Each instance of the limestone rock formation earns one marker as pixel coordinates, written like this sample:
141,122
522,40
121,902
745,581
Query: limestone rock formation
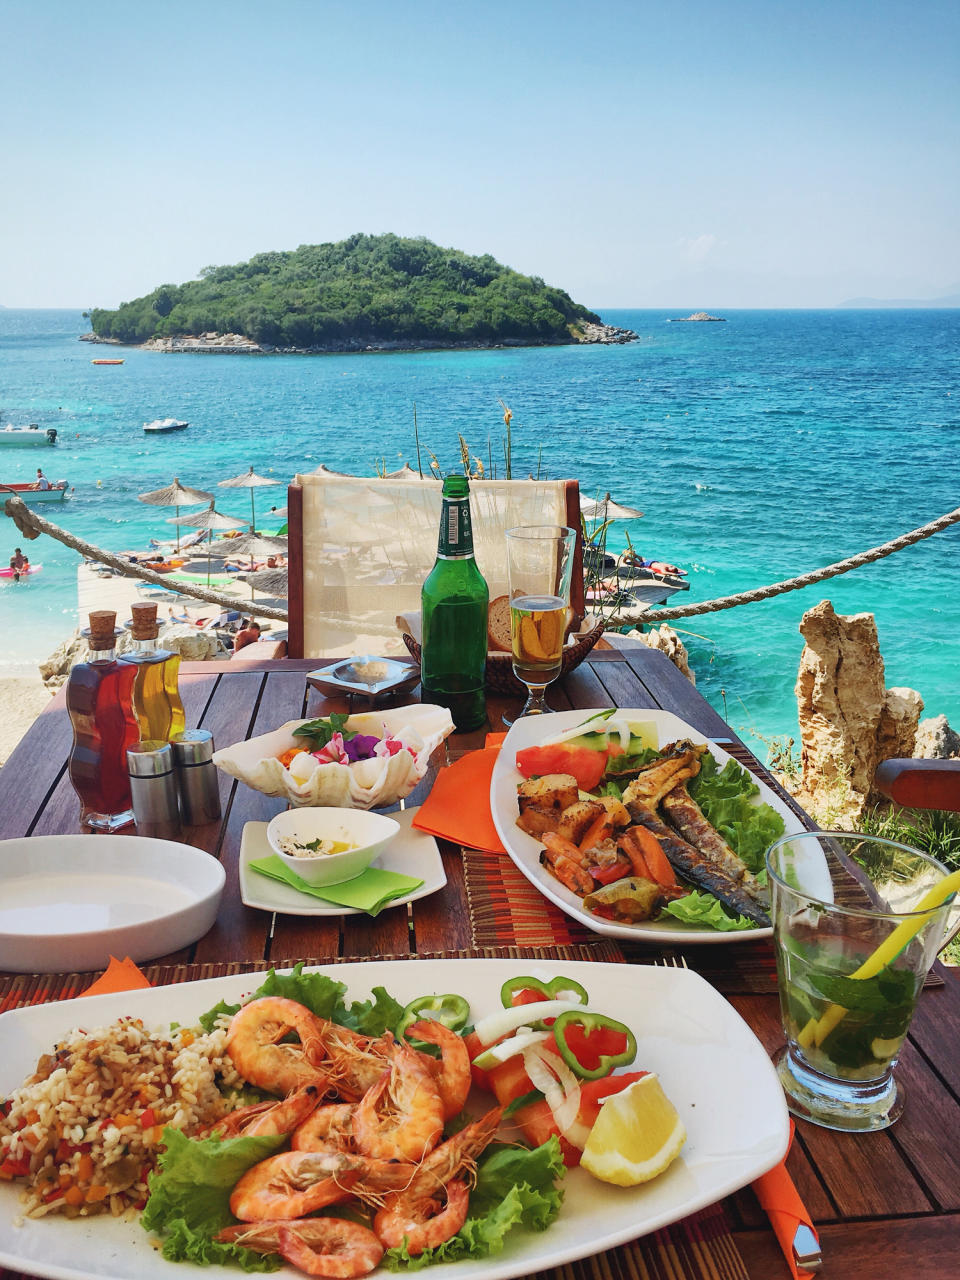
849,720
667,641
936,740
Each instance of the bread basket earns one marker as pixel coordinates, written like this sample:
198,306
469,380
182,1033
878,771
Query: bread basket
500,677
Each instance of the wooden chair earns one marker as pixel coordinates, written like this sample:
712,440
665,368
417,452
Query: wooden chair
920,784
360,547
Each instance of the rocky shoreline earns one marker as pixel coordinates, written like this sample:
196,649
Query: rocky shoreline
238,344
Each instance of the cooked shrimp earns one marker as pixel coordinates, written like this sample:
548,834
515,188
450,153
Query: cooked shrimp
329,1128
295,1183
401,1116
565,861
253,1045
318,1246
265,1118
353,1062
433,1207
452,1070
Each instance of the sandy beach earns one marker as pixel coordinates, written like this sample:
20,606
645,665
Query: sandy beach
22,698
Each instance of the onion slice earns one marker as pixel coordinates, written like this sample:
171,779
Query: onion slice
561,1091
499,1024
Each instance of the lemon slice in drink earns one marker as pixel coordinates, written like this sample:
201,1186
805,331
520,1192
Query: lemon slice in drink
636,1136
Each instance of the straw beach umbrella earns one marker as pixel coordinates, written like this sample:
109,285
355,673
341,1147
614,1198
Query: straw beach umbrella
607,509
273,581
211,520
250,544
249,480
176,495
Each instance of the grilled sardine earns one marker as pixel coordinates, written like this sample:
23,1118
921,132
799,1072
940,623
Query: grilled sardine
699,869
681,760
687,816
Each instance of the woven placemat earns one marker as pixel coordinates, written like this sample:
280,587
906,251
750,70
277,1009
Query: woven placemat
699,1247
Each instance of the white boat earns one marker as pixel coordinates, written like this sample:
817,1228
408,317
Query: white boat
11,436
31,494
165,424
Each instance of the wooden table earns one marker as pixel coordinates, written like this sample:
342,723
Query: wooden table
888,1201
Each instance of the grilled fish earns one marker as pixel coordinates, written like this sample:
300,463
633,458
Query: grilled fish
687,816
699,869
681,760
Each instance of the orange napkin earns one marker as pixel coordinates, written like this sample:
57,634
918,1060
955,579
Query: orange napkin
458,807
781,1202
121,975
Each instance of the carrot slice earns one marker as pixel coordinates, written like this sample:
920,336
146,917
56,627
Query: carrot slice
656,860
599,830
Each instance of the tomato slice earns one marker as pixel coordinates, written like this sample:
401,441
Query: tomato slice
585,764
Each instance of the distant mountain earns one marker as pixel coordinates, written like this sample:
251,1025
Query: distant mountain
951,299
363,290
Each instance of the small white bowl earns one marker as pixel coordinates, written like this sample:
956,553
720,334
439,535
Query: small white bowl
370,832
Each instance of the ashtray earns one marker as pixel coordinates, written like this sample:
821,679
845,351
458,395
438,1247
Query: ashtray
368,676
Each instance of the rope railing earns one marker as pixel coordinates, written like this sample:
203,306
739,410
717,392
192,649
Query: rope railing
808,579
31,526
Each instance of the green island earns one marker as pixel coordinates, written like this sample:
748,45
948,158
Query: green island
364,292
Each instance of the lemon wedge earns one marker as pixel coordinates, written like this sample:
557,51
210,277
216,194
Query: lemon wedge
636,1136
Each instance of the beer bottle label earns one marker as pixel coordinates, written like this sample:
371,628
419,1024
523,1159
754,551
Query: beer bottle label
456,532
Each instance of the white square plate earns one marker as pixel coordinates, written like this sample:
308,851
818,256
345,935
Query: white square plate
530,731
711,1065
410,852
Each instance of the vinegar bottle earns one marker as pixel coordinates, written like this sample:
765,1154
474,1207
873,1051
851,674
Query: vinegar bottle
156,693
100,705
453,603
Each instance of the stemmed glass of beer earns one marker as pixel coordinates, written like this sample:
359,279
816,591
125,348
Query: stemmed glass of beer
539,565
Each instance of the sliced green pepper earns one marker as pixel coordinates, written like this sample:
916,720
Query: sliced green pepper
452,1010
551,990
588,1022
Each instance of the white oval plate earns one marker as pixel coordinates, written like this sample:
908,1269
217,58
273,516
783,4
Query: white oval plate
529,731
713,1069
67,903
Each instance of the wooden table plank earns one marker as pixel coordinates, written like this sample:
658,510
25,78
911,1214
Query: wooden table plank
669,688
33,769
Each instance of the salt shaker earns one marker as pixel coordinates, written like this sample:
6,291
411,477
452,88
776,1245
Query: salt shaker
153,788
196,776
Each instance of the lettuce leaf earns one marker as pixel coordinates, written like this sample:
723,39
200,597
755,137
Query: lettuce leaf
724,795
190,1197
515,1188
324,997
706,911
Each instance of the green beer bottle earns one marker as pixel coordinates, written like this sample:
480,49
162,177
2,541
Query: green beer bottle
453,604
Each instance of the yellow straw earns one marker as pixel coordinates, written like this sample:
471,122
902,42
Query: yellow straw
817,1031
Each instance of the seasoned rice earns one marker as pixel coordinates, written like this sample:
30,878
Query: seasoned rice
81,1134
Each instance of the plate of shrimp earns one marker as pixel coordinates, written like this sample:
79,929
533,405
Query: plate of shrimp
373,1129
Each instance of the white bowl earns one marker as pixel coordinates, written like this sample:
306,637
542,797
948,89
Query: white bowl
70,902
370,832
365,784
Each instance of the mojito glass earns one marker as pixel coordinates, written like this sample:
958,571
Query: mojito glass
855,934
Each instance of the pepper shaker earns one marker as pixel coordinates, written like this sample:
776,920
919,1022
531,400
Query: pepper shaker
196,776
153,789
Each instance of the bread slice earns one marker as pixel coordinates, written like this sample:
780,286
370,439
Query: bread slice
498,625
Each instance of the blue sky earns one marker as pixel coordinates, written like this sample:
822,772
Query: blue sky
738,153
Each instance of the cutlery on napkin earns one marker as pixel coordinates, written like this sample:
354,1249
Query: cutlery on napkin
789,1218
370,891
458,806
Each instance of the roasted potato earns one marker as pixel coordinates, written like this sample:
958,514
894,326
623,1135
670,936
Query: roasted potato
577,818
618,811
536,821
551,791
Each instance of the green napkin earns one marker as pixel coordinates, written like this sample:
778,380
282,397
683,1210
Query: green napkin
370,891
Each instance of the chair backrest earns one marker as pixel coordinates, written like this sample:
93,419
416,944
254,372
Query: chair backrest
360,547
920,784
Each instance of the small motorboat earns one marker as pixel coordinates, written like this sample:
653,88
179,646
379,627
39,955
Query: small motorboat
31,493
166,424
106,362
11,436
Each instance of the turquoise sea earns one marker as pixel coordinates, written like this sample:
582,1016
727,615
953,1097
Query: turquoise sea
758,449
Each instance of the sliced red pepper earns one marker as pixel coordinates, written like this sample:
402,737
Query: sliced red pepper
148,1118
614,871
12,1168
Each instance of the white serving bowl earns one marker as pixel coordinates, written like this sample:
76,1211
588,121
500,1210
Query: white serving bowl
370,832
71,902
365,784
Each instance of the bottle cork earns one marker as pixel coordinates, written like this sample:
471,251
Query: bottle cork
145,625
103,623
